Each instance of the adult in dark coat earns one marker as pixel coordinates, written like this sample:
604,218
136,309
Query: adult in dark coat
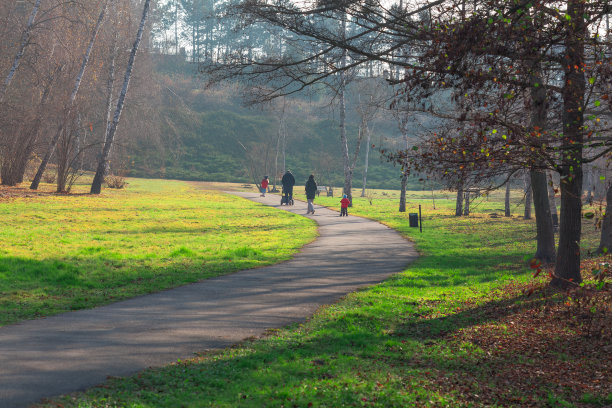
311,191
288,182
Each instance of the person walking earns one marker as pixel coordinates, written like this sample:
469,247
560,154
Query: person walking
288,182
311,191
344,203
264,186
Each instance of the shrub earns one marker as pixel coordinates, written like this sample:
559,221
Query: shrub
49,176
113,181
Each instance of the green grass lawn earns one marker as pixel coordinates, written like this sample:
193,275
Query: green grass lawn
444,333
69,252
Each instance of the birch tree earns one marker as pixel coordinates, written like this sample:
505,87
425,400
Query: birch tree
73,96
25,41
96,186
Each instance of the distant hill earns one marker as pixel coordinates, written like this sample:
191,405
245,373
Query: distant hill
208,135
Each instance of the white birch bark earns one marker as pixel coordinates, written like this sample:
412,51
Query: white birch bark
110,85
25,40
96,186
348,176
176,17
279,144
365,169
75,91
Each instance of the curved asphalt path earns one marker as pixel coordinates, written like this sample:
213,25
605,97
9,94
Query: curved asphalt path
77,350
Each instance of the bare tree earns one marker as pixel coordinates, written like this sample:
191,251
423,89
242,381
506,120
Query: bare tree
25,41
281,143
96,186
370,96
77,84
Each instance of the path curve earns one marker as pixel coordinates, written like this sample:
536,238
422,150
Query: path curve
77,350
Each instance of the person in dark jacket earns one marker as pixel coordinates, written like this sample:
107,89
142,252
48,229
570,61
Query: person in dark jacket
311,191
288,182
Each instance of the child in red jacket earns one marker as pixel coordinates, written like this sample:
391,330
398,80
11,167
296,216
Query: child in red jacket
264,186
344,203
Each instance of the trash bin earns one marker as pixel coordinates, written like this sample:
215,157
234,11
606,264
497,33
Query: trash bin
413,219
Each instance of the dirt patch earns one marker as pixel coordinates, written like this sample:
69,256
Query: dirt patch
11,193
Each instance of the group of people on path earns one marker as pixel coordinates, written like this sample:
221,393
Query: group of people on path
288,181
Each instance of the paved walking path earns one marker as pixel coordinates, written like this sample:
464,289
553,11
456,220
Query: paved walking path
74,351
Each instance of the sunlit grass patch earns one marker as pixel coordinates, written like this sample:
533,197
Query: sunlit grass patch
66,252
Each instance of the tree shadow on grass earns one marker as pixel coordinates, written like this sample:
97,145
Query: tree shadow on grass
195,230
452,269
32,289
421,326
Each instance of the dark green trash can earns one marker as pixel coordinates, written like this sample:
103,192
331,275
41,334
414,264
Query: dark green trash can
413,219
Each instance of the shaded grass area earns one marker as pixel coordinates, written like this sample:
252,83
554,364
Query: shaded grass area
450,331
63,252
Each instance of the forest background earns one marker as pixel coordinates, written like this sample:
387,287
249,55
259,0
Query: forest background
173,126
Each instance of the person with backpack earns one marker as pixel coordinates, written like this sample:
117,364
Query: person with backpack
311,191
264,186
288,182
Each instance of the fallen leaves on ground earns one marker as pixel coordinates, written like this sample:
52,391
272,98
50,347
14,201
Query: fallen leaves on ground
537,347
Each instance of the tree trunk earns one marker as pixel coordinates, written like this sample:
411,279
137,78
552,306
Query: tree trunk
43,164
545,251
605,243
527,180
62,166
507,212
77,84
18,155
176,18
466,207
193,36
589,184
96,185
459,204
278,141
365,169
363,128
402,203
552,201
348,173
110,84
403,124
567,269
25,40
281,127
545,237
568,253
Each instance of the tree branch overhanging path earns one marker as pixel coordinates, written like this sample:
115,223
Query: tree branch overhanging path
73,351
